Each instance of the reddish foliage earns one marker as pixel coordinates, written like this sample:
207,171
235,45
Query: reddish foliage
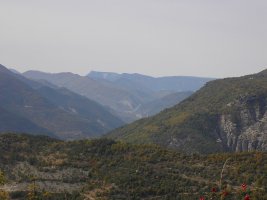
225,193
244,187
213,190
247,197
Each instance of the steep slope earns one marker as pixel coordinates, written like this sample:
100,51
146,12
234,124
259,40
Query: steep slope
15,123
124,94
225,115
156,106
99,117
104,169
128,82
47,112
14,71
118,99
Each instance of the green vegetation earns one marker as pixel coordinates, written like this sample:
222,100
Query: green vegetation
192,125
105,169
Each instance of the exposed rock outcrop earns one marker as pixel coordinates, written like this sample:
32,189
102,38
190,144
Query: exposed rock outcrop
245,129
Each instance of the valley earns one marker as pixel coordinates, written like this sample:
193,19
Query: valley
133,100
207,145
125,94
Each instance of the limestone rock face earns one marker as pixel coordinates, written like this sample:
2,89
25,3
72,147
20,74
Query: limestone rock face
246,129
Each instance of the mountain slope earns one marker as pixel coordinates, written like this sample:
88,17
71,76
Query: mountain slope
156,106
23,102
146,83
15,123
105,169
124,94
225,115
100,118
114,97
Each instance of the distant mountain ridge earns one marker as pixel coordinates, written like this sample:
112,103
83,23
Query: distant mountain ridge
225,115
30,106
124,94
103,93
171,83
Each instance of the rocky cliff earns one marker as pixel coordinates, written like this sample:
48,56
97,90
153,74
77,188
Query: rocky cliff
246,129
225,115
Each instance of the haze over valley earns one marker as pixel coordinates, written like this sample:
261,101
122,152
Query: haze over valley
133,100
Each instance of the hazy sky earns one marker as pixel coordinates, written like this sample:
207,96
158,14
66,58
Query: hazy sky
215,38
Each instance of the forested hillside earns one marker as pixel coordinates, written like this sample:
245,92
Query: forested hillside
225,115
105,169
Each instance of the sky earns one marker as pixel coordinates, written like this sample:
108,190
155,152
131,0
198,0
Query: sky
210,38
